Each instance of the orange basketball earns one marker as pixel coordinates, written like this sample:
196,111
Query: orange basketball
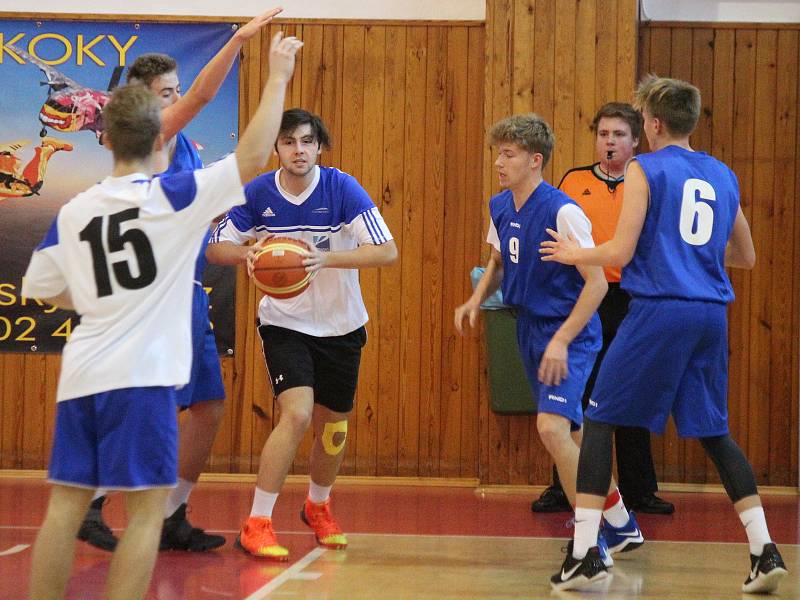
278,268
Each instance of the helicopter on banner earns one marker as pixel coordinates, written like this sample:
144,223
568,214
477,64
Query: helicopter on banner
70,106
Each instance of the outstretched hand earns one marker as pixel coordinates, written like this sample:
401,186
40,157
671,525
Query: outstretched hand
469,310
564,249
282,52
255,25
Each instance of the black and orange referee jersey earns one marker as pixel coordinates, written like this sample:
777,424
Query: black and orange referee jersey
601,200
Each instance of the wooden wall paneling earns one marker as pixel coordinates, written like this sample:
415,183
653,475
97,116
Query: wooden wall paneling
761,308
333,73
783,401
454,264
415,196
432,247
33,427
370,401
13,411
391,198
543,67
312,68
522,56
606,52
564,86
744,119
795,414
585,80
626,27
471,365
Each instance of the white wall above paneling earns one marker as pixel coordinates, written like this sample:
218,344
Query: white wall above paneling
754,11
457,10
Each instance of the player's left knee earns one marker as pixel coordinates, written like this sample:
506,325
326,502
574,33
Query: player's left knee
334,437
553,429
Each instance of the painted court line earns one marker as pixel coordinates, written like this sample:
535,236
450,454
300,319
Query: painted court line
15,549
290,573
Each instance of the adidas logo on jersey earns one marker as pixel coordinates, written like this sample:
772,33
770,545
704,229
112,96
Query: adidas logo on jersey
587,192
268,213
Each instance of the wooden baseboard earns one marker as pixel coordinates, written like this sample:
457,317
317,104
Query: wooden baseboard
452,482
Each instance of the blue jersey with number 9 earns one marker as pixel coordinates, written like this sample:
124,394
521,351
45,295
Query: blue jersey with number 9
694,199
538,289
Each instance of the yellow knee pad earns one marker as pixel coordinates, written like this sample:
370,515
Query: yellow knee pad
330,430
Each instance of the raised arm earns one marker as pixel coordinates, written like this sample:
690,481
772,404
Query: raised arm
208,81
618,251
259,137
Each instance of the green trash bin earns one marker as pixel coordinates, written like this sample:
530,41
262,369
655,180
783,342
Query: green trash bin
509,388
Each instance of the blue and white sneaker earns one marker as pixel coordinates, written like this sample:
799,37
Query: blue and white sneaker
623,539
605,555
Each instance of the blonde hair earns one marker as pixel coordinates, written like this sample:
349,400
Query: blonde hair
132,121
529,131
674,102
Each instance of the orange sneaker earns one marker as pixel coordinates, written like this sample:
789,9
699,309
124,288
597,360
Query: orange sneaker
320,519
257,537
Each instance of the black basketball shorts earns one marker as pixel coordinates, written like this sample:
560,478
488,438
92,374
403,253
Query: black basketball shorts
329,365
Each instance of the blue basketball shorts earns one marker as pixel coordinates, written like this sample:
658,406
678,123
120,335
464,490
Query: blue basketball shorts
205,381
669,356
563,399
124,439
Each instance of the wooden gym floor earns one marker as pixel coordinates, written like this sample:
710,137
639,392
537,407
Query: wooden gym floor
416,543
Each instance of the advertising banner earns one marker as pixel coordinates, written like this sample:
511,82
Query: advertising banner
56,78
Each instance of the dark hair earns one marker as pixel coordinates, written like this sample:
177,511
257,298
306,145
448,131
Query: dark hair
674,102
294,117
132,121
528,131
620,110
149,66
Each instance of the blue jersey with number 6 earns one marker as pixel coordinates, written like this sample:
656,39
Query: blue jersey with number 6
694,199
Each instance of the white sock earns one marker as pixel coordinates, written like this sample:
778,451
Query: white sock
587,525
177,496
616,515
755,524
318,493
263,503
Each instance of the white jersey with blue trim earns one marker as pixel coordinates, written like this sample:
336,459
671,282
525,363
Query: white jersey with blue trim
125,251
333,214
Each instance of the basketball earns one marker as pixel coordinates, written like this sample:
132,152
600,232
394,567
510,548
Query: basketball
278,269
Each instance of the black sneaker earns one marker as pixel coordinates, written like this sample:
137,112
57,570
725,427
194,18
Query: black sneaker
552,500
577,573
766,571
95,532
178,534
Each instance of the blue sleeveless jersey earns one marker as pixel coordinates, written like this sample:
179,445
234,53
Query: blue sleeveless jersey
186,158
539,290
694,199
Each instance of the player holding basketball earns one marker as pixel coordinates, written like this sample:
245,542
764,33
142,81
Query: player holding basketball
312,342
558,331
122,254
203,395
680,226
